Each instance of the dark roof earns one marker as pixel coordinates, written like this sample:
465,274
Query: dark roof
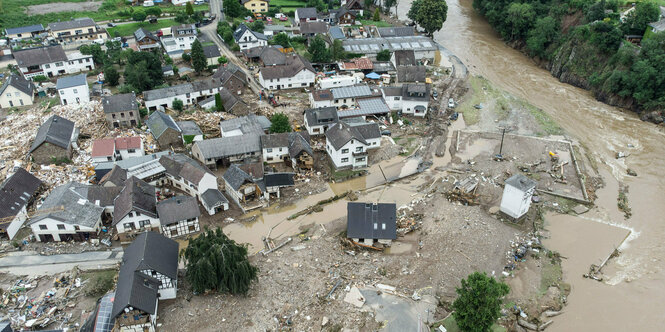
211,51
99,195
180,165
275,140
371,221
136,195
355,3
321,116
241,30
294,64
229,146
223,74
319,95
142,33
55,130
71,81
73,24
415,92
189,128
236,177
405,58
382,66
149,251
278,179
396,31
341,132
39,56
306,12
246,124
29,28
16,191
255,170
118,103
521,182
116,176
213,197
19,83
411,74
158,122
336,33
229,99
392,91
271,56
315,27
299,142
177,208
66,204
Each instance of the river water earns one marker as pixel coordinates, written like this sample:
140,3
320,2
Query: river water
631,297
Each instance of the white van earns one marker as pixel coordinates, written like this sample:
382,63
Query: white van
148,3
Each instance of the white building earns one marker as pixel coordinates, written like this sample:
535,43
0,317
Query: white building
51,61
517,194
186,174
318,120
16,91
294,74
411,99
246,38
119,148
338,81
16,193
135,209
179,216
73,90
342,97
189,93
347,145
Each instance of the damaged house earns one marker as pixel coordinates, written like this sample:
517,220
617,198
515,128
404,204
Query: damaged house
368,223
317,120
179,216
291,148
164,130
247,191
54,141
135,209
16,193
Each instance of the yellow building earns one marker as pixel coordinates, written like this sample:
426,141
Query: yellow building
256,6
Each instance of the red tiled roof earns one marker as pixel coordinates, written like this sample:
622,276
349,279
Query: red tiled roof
103,147
363,63
350,66
124,143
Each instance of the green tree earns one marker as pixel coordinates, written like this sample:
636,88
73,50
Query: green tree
215,262
219,105
279,124
177,104
377,15
234,9
199,60
429,14
98,56
181,17
636,21
478,304
111,76
320,5
337,51
544,33
186,57
519,18
258,26
606,36
383,55
222,60
317,48
387,4
40,79
139,16
143,71
281,39
154,11
189,9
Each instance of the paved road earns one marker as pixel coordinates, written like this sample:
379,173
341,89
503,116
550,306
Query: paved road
33,264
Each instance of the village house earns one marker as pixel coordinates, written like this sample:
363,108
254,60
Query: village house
190,131
99,195
185,35
344,16
167,71
73,89
146,168
188,93
517,194
121,111
411,74
26,32
145,40
412,99
66,215
246,191
135,209
372,106
246,38
17,192
423,47
119,148
54,140
369,223
274,182
79,29
271,55
230,102
179,216
300,152
164,130
311,29
17,91
295,73
231,77
317,120
396,31
213,201
347,144
245,125
305,15
356,6
403,58
227,150
187,175
212,54
273,29
256,6
149,272
291,148
342,97
51,61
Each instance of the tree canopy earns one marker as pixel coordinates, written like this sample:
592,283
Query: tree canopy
429,14
143,71
478,304
279,124
111,76
139,15
215,262
219,104
234,9
383,55
317,48
189,9
637,20
199,61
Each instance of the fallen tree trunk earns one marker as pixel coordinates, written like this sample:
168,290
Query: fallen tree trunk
527,325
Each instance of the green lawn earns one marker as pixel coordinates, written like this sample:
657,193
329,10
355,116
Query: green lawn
379,24
129,28
288,3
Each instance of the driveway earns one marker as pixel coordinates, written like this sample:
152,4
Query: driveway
33,264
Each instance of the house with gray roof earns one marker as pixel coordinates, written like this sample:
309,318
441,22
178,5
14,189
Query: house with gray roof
149,272
403,58
411,74
246,38
347,144
341,97
135,209
212,54
336,33
412,99
179,216
81,29
306,15
317,120
66,215
188,93
164,130
214,201
51,61
292,148
23,32
190,131
295,73
373,106
227,150
231,103
16,194
54,140
396,31
145,40
246,191
73,90
121,111
371,223
231,77
249,124
311,29
187,175
16,91
423,47
517,193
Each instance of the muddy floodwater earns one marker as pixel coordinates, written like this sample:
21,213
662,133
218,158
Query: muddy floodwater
631,297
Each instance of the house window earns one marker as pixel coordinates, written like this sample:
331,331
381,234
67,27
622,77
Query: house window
131,214
268,150
376,226
61,226
280,149
76,91
77,228
373,143
345,150
132,151
128,226
138,213
144,223
383,226
58,64
47,66
269,159
359,160
62,92
113,115
345,160
131,113
122,115
359,149
43,227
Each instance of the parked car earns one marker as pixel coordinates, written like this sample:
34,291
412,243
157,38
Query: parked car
451,103
435,94
111,25
454,116
386,133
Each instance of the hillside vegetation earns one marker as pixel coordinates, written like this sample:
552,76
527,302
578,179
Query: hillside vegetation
582,42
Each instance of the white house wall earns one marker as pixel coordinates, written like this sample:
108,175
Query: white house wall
13,97
182,227
167,288
52,228
304,78
68,96
275,155
17,223
134,219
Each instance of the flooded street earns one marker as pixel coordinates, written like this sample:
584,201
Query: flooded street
630,298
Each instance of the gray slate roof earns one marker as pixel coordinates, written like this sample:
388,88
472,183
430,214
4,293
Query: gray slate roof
96,194
169,91
65,204
404,58
313,27
135,290
294,65
39,56
116,176
71,81
19,83
336,33
411,74
229,146
73,24
247,124
521,182
369,46
16,191
351,91
136,195
142,33
278,180
396,32
120,103
236,177
275,141
25,29
371,221
298,143
321,116
415,92
307,12
56,130
212,198
271,56
159,121
211,51
180,165
373,105
177,208
241,30
224,73
189,128
340,133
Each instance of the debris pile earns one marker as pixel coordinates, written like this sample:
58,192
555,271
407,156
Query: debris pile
520,247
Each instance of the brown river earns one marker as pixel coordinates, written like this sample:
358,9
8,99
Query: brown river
631,297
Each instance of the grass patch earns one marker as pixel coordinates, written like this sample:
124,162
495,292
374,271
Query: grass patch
408,144
288,3
128,29
451,326
547,125
99,282
471,114
379,24
550,275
